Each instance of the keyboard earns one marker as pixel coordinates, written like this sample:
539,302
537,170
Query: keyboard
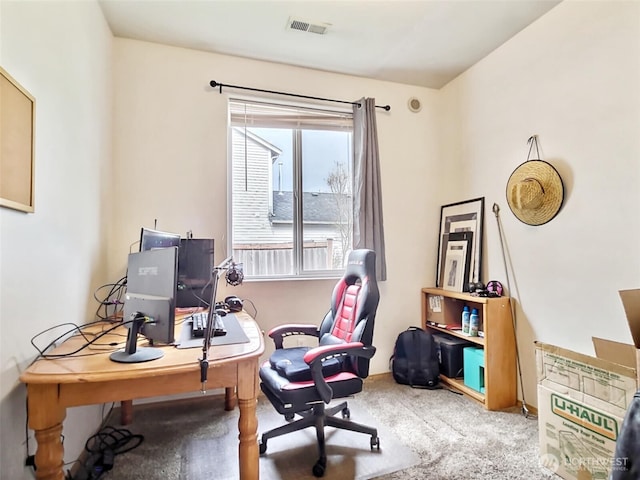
199,325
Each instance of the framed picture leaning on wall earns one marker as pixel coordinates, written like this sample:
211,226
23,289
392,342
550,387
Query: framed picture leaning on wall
457,261
465,216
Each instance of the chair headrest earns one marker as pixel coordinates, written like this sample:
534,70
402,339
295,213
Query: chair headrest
361,264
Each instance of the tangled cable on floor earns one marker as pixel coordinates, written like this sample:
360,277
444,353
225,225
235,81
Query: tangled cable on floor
102,449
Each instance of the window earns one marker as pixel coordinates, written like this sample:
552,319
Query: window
291,189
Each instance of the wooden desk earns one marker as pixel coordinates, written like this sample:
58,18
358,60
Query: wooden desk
54,385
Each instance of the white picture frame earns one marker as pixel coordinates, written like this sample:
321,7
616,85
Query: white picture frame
456,266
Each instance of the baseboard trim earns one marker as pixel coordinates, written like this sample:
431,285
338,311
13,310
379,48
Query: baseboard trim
530,408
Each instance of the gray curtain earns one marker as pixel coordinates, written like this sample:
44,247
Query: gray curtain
368,227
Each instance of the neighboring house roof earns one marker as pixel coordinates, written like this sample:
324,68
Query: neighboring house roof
275,151
318,207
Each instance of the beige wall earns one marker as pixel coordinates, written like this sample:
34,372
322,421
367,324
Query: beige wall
53,259
170,158
571,78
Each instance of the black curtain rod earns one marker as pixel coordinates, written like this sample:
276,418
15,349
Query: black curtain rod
215,84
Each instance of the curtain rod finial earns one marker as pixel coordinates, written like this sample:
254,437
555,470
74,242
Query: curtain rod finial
213,83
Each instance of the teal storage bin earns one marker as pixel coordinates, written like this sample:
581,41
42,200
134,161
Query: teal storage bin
474,368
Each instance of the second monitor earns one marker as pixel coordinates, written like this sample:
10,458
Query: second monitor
195,264
195,268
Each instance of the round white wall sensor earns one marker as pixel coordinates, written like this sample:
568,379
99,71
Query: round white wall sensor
414,104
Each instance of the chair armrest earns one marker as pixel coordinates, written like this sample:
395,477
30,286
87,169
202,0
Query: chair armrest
280,332
315,356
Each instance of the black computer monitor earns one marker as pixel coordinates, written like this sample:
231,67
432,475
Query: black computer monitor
195,268
150,239
195,264
149,306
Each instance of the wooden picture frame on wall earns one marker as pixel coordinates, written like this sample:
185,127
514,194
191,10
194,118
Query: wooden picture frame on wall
17,143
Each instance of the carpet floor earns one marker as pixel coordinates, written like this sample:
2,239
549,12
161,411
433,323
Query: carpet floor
292,456
424,434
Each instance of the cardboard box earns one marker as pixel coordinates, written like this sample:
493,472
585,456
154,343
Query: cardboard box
582,400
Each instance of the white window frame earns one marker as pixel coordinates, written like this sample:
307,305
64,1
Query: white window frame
299,273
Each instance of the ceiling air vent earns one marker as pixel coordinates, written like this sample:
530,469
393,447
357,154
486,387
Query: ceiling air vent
306,26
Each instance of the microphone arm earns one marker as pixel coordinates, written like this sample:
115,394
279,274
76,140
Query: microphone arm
224,264
208,333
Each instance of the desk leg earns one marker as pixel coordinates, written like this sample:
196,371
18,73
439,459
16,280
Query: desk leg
248,453
126,412
45,419
230,398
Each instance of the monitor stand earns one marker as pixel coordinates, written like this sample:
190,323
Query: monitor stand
132,353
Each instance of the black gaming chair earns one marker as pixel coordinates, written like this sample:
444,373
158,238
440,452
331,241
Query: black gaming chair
301,380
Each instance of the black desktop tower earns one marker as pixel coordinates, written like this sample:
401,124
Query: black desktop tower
195,269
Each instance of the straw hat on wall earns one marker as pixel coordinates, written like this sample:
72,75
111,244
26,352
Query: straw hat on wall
535,192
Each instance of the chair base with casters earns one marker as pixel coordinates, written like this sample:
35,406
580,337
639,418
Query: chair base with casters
309,398
319,416
304,380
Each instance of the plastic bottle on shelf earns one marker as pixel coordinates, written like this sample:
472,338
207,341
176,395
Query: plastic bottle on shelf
474,323
465,320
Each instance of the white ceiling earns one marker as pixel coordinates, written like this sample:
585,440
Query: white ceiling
420,42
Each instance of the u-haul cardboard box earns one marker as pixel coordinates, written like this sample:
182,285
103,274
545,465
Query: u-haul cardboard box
582,401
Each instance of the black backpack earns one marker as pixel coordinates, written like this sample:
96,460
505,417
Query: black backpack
415,359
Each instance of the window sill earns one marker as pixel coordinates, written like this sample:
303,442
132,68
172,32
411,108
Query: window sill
292,278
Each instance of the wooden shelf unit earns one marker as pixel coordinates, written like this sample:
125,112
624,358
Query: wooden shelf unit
499,342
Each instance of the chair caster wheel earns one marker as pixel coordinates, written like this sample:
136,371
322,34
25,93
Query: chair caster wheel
375,443
346,413
319,468
262,445
289,416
